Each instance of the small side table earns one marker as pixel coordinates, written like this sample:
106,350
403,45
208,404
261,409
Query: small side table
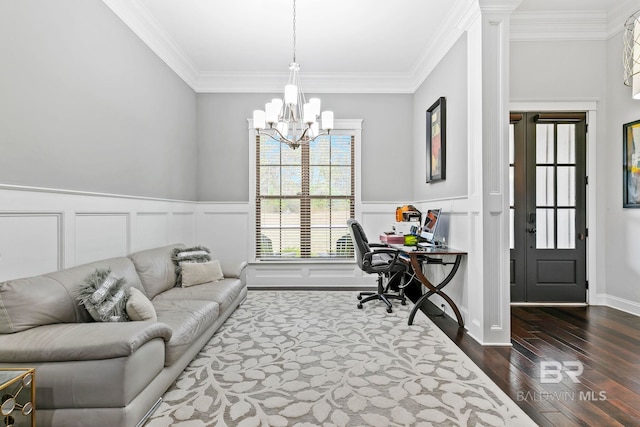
18,391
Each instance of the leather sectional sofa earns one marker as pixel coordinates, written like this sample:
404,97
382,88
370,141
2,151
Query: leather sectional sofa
110,373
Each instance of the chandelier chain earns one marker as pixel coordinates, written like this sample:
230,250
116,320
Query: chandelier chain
294,30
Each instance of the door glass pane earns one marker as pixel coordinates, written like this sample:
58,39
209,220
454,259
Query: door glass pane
544,143
566,143
544,186
512,240
566,228
511,186
566,185
544,229
512,139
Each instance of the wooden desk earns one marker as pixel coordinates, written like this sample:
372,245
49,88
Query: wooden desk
418,256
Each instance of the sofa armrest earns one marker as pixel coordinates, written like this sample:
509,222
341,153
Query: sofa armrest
233,270
79,341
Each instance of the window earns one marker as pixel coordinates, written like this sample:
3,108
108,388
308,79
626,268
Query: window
304,197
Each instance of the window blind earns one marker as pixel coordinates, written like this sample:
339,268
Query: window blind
304,198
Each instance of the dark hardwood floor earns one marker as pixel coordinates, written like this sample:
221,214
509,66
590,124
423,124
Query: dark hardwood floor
602,341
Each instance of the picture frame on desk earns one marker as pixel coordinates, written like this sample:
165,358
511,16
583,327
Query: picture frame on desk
631,165
436,140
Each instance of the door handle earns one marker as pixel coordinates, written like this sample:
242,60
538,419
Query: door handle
531,230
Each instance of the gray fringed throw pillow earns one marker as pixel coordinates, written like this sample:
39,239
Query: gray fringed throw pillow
181,256
104,296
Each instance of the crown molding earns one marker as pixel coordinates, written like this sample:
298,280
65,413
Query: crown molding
139,20
525,26
498,6
453,27
574,25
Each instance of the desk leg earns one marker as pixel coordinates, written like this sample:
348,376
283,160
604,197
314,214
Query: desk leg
417,269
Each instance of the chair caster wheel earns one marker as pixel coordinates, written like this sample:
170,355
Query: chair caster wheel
359,297
389,310
404,302
360,306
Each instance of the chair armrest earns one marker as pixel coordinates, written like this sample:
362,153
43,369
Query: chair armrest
367,257
378,245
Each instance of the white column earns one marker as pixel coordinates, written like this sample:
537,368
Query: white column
488,51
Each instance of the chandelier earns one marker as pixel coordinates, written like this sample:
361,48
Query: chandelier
631,57
291,119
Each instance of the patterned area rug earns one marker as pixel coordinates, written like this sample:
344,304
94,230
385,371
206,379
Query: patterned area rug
314,359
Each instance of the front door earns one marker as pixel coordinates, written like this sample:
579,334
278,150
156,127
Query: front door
548,207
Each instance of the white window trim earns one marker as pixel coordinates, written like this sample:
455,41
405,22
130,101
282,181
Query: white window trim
352,127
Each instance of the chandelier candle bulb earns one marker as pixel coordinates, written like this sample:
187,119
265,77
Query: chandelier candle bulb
327,120
277,102
291,94
259,119
271,113
307,114
315,103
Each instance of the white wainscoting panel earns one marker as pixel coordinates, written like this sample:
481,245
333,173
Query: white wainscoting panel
224,229
336,275
100,236
30,243
182,228
44,230
151,230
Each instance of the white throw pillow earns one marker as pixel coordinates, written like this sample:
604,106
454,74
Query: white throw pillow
197,273
139,307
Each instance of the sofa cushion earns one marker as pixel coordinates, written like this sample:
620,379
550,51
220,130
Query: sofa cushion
50,298
201,272
188,320
139,307
73,278
224,292
156,269
34,301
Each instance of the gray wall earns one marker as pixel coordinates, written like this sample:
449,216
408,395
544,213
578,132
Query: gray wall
558,70
448,79
223,153
592,70
622,226
86,105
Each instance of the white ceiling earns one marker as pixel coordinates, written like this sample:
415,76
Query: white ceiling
342,45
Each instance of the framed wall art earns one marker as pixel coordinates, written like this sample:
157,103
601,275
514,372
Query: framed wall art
436,140
631,165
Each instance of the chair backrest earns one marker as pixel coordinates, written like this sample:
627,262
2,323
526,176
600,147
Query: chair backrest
360,242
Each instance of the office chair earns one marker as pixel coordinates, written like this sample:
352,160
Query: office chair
383,261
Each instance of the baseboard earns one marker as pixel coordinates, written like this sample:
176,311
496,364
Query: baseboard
548,304
628,306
